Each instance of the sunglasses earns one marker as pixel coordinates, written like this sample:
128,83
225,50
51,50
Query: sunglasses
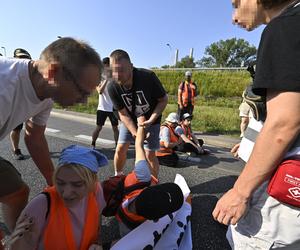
70,76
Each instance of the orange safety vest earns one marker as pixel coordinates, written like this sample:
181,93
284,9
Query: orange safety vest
130,219
183,93
58,233
187,131
163,151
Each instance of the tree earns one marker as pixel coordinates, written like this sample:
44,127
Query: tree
186,62
229,53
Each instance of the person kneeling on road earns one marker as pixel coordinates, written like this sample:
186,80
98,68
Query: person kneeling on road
66,215
147,203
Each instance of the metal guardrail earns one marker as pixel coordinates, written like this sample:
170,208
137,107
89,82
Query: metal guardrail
200,69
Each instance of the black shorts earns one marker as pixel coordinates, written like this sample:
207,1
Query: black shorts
102,115
19,127
10,178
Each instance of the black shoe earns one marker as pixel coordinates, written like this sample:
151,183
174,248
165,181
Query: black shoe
18,155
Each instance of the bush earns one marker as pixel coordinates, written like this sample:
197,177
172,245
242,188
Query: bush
214,83
216,109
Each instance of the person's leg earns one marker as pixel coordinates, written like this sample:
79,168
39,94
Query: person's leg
114,123
120,157
116,133
95,135
101,117
244,125
190,109
153,162
121,150
13,193
15,139
187,147
151,146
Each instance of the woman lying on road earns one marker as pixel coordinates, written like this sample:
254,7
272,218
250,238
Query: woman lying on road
66,215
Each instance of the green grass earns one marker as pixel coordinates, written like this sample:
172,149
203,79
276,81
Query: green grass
216,109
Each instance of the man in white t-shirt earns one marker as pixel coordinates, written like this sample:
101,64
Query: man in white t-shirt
105,105
67,72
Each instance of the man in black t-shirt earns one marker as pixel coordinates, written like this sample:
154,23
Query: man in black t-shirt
263,222
136,93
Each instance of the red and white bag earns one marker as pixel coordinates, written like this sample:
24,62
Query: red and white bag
284,185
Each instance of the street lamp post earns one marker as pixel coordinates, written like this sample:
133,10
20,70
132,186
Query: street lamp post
4,49
170,47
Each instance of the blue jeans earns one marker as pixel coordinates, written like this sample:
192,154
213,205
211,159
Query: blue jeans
151,143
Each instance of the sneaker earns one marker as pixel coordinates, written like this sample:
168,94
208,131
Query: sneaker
18,155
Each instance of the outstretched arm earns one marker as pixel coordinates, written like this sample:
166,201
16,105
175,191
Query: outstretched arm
139,141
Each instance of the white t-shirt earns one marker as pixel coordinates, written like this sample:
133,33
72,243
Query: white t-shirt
105,103
18,100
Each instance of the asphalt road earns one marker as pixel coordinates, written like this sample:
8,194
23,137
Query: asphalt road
208,180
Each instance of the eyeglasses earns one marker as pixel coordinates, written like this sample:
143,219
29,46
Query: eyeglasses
71,77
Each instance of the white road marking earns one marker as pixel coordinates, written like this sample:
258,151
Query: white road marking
52,130
89,138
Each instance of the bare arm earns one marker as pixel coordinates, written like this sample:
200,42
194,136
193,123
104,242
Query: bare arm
281,128
161,105
38,148
139,141
128,122
172,144
100,88
180,97
187,140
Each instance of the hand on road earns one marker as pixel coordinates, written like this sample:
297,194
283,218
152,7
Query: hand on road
230,208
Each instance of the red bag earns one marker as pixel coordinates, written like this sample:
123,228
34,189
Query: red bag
284,185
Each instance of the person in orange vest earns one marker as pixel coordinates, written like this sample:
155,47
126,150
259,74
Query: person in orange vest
190,143
169,141
187,92
151,202
66,215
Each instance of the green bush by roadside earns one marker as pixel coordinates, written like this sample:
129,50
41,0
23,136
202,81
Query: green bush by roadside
216,109
212,83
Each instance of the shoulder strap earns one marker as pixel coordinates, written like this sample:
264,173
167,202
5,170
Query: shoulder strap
139,185
48,203
182,86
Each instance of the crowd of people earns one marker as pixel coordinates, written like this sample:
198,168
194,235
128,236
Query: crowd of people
69,70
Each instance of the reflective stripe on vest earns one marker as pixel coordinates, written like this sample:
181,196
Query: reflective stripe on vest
58,233
132,220
163,151
188,93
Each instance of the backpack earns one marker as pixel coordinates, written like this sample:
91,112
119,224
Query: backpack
114,192
257,103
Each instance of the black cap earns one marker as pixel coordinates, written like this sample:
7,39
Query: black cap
157,201
21,53
186,116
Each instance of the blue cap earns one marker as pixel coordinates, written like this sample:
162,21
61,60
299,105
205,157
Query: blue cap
87,157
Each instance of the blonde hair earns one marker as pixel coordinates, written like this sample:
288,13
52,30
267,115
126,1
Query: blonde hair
90,178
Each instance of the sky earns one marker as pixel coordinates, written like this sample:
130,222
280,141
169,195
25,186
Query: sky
142,28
